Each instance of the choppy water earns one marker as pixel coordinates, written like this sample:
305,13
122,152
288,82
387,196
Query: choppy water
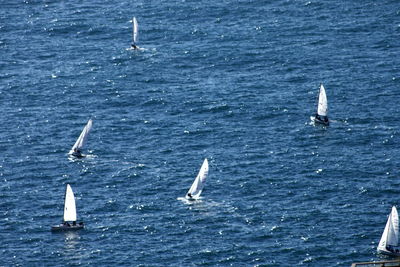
233,81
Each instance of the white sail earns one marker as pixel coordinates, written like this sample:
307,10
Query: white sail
322,102
198,184
69,205
82,138
383,241
390,236
393,233
135,27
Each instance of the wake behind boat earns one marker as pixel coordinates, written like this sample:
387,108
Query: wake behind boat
389,243
321,116
69,220
198,184
76,150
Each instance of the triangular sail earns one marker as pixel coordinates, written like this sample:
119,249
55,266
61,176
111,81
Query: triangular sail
69,205
198,184
135,28
322,102
393,233
383,241
390,235
82,138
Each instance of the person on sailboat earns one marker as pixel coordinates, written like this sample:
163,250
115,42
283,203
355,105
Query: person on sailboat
190,196
134,46
392,249
323,119
77,153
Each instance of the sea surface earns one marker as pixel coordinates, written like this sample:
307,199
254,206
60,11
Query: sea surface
231,81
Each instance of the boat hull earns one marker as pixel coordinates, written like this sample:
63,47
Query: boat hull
64,227
384,251
76,155
319,121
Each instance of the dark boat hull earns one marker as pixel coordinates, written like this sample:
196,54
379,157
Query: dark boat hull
76,155
63,227
395,252
320,121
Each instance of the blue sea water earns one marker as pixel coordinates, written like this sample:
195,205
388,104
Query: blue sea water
231,81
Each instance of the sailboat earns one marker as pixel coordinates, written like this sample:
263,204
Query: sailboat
76,150
69,220
322,110
135,33
390,238
198,184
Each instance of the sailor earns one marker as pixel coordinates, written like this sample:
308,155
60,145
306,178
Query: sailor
133,46
190,196
74,223
77,153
